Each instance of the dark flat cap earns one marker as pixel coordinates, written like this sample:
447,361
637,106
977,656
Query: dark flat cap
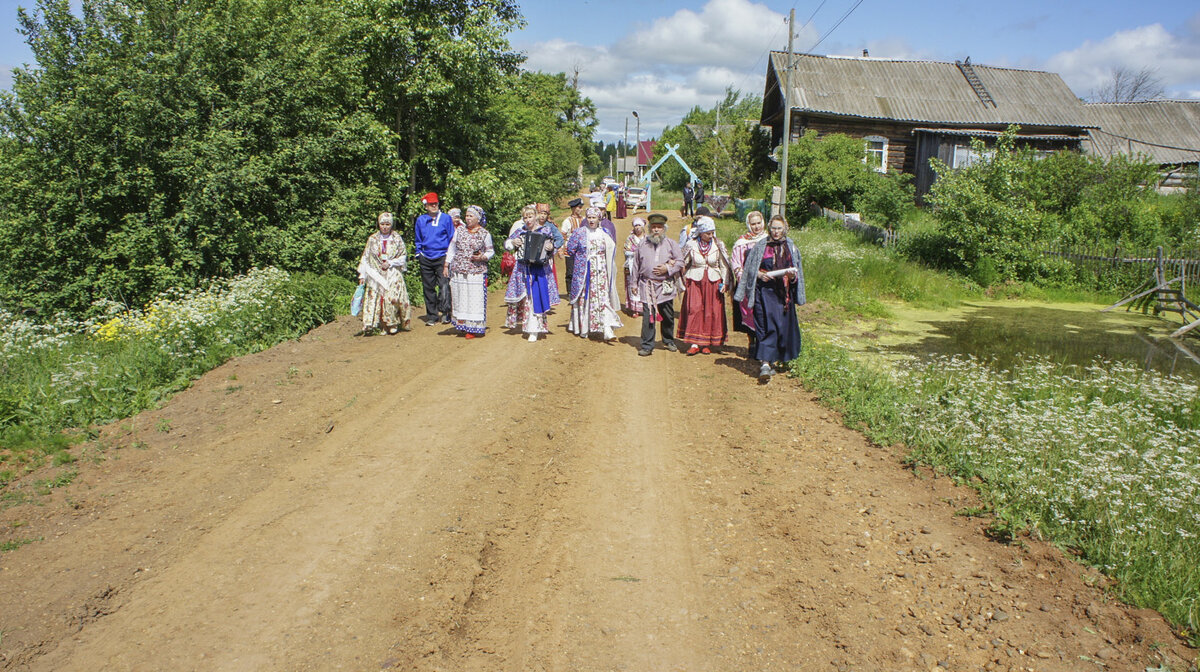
575,202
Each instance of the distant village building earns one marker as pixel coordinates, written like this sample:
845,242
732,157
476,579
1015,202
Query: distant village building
911,111
1165,131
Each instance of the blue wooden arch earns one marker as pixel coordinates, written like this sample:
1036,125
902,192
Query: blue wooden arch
650,173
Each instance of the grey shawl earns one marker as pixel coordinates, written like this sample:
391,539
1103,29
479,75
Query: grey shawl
745,290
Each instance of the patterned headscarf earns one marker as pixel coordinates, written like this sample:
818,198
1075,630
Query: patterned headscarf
594,211
543,207
638,221
454,213
703,225
478,211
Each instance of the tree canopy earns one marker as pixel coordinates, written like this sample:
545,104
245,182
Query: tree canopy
732,152
157,143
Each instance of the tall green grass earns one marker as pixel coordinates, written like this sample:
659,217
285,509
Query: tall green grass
59,379
861,277
1102,459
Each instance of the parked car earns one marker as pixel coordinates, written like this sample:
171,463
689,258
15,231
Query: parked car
635,197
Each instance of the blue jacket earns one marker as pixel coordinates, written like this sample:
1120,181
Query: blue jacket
431,238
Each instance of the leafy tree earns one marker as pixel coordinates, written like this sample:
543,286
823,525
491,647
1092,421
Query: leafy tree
156,143
989,218
734,151
828,170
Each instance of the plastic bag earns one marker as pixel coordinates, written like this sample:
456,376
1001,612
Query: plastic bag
357,301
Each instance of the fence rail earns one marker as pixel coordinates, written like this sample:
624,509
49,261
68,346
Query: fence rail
1175,263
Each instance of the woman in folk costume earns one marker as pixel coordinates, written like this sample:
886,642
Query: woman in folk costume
543,215
381,270
467,267
633,302
756,230
528,293
706,271
569,224
595,303
773,285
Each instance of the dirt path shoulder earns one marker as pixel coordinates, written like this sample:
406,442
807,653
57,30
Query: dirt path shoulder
421,502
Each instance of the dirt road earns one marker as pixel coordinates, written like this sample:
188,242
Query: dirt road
423,502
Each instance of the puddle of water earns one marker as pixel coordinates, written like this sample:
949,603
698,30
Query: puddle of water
1065,333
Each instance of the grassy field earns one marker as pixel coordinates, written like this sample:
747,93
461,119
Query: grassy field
62,378
1100,459
861,277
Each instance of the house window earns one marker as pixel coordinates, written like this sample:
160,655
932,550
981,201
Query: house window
876,156
965,155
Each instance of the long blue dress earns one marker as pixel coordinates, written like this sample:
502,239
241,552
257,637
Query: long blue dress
776,331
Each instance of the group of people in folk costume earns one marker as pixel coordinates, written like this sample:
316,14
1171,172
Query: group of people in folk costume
762,271
453,250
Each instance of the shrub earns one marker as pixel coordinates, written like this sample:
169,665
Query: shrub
829,170
885,199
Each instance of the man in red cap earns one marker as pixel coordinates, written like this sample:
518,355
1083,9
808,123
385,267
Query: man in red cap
432,232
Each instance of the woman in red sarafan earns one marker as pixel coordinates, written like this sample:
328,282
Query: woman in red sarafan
706,274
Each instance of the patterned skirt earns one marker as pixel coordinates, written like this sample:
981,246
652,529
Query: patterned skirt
388,309
468,294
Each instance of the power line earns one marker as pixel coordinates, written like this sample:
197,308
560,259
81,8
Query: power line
752,71
839,22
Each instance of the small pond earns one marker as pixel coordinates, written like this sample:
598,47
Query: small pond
1066,333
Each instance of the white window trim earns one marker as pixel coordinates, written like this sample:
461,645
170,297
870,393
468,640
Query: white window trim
883,153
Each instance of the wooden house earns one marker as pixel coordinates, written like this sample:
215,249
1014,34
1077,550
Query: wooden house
909,112
1167,132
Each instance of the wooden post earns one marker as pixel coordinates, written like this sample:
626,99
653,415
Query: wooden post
784,92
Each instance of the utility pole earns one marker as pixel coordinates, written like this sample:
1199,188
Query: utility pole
625,151
784,90
637,150
717,135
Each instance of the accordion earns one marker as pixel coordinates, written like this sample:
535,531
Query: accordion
534,251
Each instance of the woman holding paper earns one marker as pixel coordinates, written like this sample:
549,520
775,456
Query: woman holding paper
772,285
381,270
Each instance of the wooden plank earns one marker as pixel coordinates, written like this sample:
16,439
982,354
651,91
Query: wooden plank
1134,298
1185,329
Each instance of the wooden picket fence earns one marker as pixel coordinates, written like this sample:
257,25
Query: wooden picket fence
1183,264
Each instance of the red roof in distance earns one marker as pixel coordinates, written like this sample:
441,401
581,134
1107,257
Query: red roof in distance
645,152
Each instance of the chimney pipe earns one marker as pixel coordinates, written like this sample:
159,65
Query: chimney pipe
865,54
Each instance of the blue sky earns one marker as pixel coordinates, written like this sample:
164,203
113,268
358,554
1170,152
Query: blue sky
661,57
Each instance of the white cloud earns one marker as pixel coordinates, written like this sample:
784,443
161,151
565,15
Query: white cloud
1174,58
664,68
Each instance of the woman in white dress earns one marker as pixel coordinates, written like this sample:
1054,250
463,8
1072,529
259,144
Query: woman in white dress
467,266
595,302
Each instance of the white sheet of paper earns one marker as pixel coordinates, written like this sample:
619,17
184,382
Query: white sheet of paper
781,271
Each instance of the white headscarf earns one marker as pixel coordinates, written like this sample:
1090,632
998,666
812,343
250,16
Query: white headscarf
703,225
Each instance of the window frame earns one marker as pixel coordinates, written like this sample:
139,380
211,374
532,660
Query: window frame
882,152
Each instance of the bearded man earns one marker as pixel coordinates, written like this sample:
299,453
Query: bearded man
657,266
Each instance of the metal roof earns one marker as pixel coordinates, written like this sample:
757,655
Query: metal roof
981,133
931,92
1168,131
